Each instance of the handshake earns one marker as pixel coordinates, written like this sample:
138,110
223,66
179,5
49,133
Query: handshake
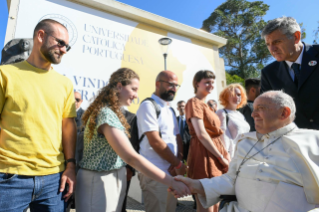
183,186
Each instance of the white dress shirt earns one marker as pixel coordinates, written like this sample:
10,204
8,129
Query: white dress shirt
298,61
236,126
147,121
282,177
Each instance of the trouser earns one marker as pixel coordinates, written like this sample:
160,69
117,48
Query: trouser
100,191
40,193
156,197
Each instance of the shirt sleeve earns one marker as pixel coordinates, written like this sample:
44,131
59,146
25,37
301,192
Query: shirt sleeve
194,109
146,118
217,186
107,116
3,85
69,107
223,126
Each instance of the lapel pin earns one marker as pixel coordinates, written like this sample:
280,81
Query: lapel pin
312,63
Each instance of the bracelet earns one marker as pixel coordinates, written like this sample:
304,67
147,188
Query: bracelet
71,160
179,165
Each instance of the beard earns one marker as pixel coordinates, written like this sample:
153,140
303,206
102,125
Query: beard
168,95
49,54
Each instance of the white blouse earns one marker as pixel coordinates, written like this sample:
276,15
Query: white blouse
237,125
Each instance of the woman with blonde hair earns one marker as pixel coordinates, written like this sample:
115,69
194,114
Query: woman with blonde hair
207,156
101,180
233,123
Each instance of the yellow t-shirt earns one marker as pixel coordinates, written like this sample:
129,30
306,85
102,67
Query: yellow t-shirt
33,103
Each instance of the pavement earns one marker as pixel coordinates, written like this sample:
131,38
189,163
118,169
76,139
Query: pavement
184,205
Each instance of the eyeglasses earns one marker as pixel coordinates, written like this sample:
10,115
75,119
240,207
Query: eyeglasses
77,100
61,43
171,85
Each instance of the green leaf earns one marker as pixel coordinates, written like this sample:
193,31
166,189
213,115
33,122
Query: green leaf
241,23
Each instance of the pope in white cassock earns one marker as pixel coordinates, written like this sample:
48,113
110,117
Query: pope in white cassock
275,169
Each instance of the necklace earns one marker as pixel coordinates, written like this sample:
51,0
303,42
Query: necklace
245,160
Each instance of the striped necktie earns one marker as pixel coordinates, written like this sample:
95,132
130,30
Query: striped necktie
296,68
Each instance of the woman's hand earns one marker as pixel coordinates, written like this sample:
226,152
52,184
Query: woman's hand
228,157
224,162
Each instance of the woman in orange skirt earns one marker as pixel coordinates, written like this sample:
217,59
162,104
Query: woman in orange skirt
207,156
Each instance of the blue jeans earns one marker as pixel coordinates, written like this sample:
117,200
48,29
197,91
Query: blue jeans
40,193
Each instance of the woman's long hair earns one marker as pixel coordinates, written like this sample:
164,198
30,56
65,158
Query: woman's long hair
109,96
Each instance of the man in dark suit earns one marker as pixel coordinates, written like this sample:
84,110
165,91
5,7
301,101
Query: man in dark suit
183,128
79,110
79,141
252,87
295,71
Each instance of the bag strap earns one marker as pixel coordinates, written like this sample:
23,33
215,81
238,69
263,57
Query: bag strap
173,111
157,111
227,118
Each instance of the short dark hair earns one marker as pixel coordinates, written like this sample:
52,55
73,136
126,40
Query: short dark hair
180,102
251,82
46,25
202,74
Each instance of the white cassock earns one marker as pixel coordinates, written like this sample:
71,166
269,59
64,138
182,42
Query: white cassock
282,177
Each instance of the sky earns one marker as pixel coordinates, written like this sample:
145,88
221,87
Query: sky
193,13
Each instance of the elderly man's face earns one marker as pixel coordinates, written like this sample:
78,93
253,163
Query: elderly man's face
266,115
212,105
280,47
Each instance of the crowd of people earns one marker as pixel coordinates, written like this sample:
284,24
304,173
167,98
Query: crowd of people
260,152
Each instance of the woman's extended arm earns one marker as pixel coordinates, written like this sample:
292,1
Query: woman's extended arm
122,146
205,139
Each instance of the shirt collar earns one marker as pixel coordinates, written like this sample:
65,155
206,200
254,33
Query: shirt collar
160,101
299,59
281,131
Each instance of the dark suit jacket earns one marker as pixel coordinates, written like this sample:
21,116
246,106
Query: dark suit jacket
79,139
78,119
186,139
275,76
246,111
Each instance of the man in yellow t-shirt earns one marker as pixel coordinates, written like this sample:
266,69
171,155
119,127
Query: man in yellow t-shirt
38,130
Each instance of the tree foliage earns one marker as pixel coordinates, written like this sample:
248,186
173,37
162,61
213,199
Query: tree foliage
241,23
234,79
303,31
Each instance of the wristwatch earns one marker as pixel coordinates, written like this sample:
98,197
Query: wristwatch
70,160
